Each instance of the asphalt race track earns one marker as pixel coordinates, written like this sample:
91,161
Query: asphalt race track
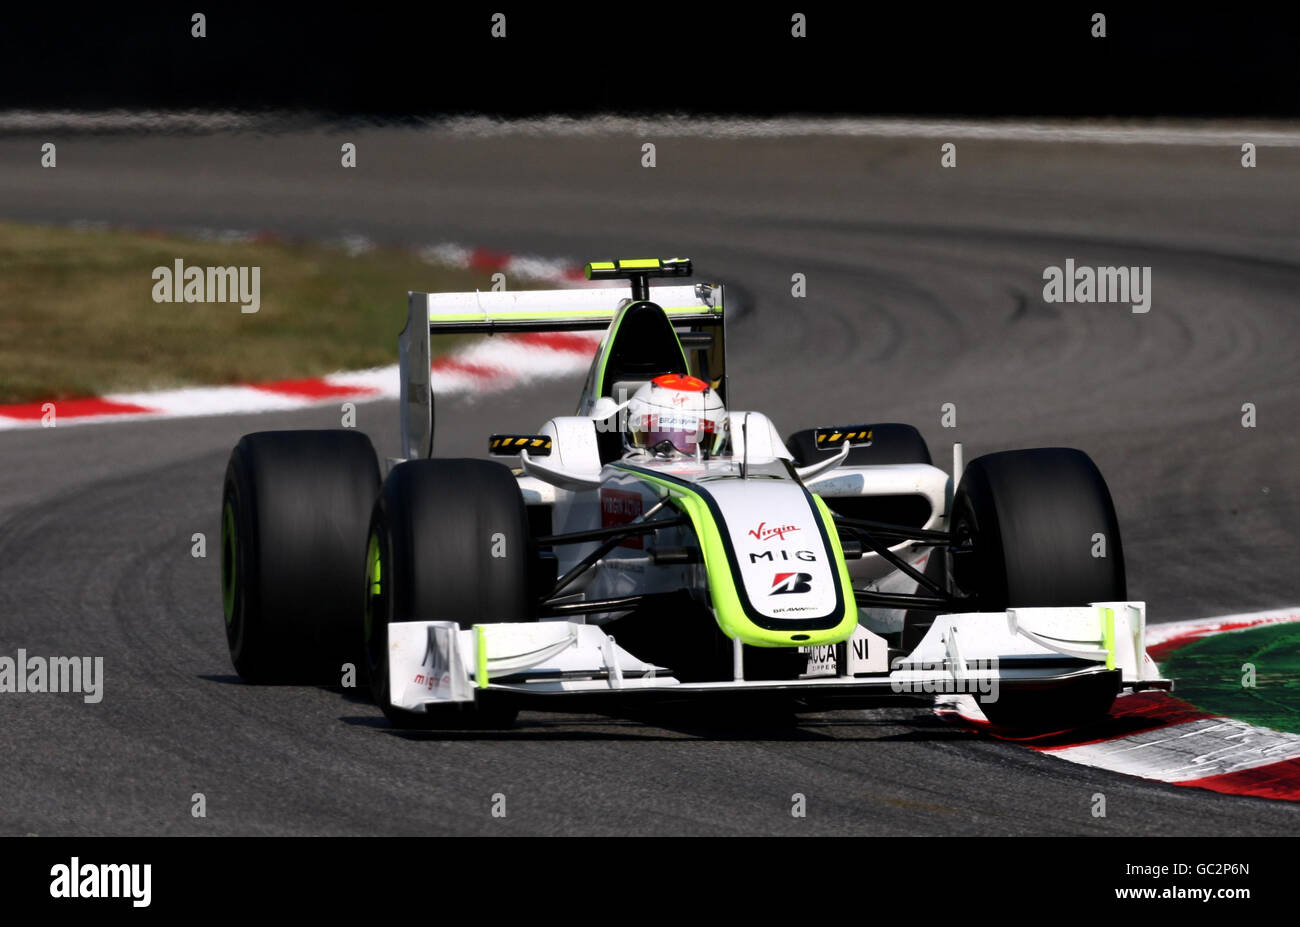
924,288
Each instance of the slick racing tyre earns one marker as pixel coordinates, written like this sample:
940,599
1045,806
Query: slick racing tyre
1038,528
891,443
448,541
295,507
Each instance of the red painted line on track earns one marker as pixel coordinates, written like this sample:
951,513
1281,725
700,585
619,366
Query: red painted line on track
70,408
1276,780
483,259
557,341
1163,649
312,388
451,365
1131,714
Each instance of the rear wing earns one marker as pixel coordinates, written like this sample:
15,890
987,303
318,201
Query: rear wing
697,308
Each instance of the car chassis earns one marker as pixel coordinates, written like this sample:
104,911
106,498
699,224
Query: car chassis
1057,655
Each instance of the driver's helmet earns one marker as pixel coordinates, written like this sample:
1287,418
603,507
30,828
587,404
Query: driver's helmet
677,413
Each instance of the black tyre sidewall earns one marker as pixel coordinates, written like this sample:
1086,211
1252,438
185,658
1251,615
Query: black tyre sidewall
436,523
1031,517
302,502
252,644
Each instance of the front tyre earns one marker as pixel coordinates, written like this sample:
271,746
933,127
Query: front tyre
295,506
1038,528
448,541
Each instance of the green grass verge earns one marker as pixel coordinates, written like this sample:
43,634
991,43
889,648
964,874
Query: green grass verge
1209,673
77,316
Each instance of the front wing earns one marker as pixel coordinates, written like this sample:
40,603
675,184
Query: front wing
565,666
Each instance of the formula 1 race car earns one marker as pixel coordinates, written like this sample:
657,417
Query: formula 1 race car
660,546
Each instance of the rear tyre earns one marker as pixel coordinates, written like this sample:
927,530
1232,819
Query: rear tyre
448,541
891,443
294,512
1038,528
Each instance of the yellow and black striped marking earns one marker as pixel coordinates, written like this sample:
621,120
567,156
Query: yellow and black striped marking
649,267
836,437
508,445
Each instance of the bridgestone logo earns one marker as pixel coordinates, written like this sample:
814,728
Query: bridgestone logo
791,583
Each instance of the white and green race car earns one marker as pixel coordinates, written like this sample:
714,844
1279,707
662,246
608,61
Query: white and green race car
661,546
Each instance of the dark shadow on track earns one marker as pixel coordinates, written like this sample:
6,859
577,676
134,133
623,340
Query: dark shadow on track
685,724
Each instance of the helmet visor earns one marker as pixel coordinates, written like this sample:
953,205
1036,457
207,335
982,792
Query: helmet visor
683,432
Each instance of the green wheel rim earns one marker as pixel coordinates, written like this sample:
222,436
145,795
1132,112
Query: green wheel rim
229,563
374,581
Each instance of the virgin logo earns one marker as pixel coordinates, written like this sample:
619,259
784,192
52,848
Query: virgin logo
764,533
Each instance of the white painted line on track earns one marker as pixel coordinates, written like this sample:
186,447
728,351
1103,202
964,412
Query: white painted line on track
1263,133
1233,134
